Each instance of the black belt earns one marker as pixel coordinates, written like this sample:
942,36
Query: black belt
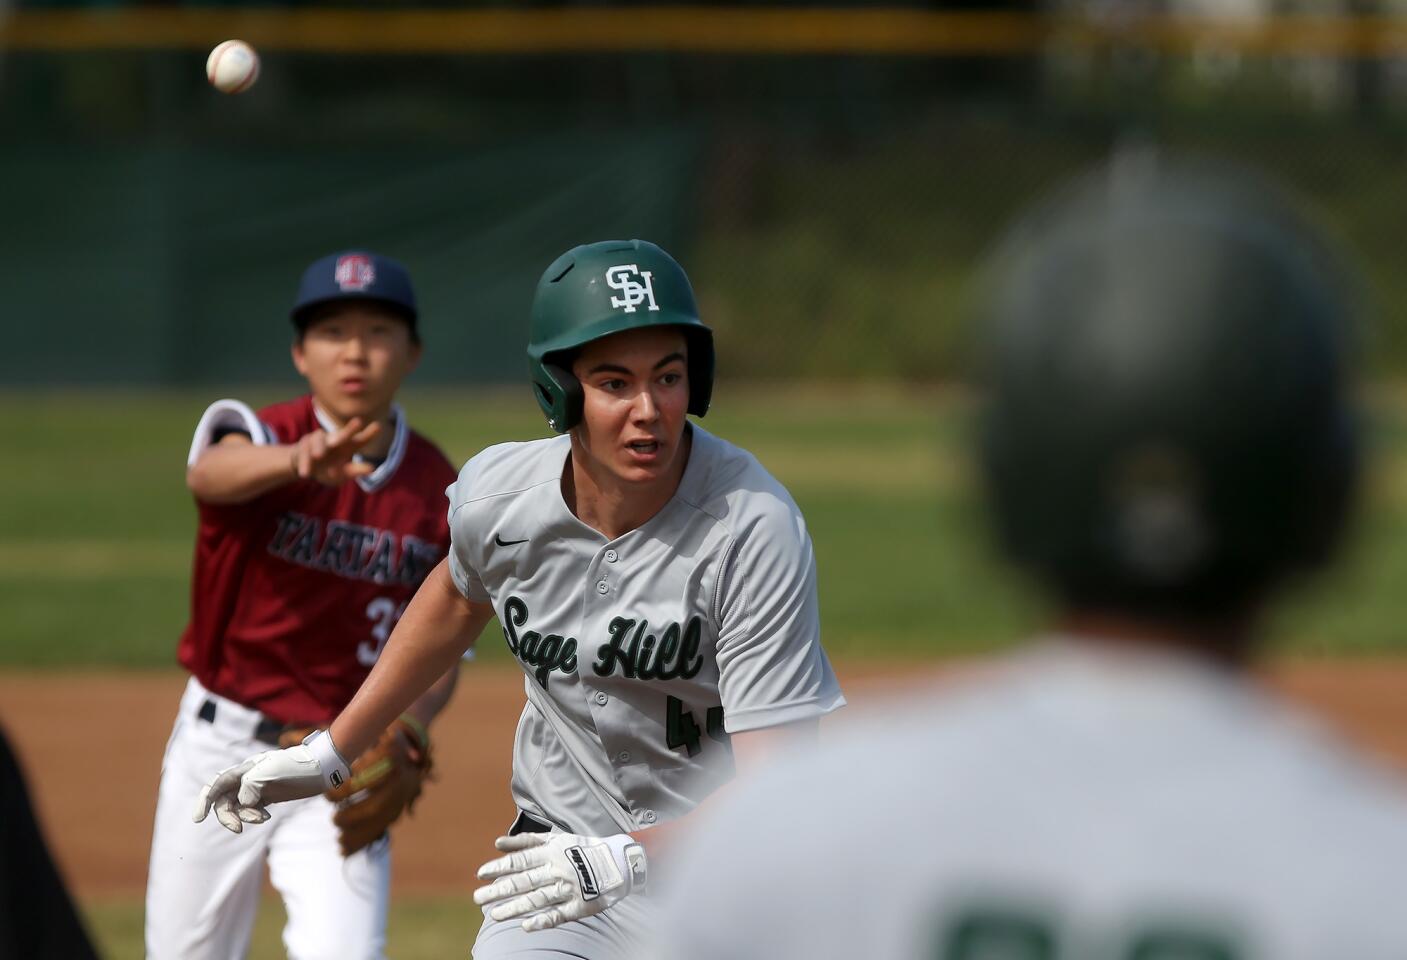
266,731
526,823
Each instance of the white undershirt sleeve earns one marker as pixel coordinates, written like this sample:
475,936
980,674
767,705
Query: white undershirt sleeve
222,415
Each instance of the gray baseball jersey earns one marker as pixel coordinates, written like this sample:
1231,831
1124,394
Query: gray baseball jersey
642,653
1075,804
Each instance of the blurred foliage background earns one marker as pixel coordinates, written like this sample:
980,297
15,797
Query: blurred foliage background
829,175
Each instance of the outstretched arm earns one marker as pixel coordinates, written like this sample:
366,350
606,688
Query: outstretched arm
236,470
428,705
433,633
435,630
388,778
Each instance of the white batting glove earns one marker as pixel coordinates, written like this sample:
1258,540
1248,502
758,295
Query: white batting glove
240,794
550,878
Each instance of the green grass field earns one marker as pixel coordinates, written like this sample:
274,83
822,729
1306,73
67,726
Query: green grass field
418,928
96,530
95,541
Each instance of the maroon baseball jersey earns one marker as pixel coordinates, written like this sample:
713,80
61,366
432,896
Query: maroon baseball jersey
295,592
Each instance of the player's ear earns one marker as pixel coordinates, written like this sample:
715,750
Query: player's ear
300,362
413,354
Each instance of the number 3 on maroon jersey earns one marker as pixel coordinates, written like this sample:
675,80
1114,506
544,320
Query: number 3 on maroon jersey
383,614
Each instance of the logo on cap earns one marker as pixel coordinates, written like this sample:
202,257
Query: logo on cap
354,272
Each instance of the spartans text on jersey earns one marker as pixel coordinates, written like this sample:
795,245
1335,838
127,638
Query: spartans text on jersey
353,550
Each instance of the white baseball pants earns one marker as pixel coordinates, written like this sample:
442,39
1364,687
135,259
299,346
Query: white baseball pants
203,882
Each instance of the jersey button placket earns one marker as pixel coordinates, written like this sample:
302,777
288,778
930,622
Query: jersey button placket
602,699
603,585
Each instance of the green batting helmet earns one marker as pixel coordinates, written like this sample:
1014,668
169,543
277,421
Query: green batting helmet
598,289
1167,430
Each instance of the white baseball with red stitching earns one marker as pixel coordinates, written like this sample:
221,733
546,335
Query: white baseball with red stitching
232,67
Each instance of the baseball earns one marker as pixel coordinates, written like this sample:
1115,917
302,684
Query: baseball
232,67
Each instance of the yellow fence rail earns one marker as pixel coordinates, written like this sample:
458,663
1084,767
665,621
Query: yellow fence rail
684,29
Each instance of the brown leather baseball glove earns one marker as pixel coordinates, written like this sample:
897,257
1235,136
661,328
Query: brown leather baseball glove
386,780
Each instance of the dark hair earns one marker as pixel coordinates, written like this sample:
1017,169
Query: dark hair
318,312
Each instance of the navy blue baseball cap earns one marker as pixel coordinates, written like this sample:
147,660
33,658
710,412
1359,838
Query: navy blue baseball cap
355,275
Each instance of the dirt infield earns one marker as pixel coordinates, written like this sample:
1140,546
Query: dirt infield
92,744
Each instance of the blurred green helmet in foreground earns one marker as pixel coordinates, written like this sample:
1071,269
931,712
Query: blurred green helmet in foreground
1167,430
599,289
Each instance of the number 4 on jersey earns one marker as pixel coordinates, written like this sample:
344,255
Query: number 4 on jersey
680,729
1016,935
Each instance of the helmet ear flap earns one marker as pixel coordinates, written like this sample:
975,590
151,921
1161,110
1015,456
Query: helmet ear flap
701,363
559,394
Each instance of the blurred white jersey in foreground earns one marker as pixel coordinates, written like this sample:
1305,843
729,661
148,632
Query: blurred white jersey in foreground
1067,805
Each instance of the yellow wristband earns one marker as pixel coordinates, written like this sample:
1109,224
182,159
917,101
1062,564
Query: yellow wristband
417,728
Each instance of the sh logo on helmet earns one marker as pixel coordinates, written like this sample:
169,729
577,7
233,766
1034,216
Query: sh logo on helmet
634,292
